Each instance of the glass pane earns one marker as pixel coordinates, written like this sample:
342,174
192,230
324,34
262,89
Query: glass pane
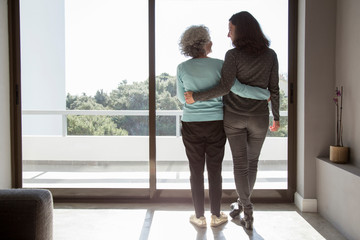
172,18
85,93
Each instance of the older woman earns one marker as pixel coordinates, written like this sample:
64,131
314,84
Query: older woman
245,120
202,122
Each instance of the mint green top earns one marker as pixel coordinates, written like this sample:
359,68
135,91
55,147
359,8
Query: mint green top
201,74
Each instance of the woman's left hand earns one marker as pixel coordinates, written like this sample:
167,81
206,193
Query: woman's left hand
189,97
275,126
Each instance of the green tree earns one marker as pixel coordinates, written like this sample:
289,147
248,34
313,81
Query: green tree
70,99
102,98
90,125
135,96
82,102
131,97
93,125
166,99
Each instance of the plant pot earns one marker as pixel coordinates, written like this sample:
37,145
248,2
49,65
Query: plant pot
339,154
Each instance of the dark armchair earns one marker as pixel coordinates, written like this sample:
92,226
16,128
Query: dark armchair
26,214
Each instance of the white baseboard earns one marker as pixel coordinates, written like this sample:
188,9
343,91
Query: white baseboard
305,205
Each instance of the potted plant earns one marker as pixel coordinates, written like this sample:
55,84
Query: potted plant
339,153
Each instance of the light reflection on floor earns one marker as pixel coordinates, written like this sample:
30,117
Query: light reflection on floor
268,225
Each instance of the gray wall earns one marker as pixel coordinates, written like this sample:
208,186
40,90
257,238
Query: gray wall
316,82
336,183
348,72
5,164
339,182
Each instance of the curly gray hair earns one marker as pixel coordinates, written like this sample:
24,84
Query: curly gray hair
193,40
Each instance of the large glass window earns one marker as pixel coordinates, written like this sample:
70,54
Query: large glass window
85,93
172,19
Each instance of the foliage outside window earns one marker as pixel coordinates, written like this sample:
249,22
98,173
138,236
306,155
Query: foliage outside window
134,96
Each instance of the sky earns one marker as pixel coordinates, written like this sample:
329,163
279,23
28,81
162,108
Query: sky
106,41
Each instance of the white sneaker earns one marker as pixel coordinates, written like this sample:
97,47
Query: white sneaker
200,222
217,221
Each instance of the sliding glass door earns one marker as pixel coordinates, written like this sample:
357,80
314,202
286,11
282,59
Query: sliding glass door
99,112
172,19
84,77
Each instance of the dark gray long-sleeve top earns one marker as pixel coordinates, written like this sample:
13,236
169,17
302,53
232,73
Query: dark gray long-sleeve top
259,71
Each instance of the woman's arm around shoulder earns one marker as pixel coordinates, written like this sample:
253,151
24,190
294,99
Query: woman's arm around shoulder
247,91
228,75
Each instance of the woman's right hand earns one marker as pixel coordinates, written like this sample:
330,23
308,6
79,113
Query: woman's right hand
189,97
275,126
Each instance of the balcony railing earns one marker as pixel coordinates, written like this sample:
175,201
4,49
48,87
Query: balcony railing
64,113
60,160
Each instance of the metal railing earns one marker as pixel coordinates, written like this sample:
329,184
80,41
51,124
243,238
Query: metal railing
65,113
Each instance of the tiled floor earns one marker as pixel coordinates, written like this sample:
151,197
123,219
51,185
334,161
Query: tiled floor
171,221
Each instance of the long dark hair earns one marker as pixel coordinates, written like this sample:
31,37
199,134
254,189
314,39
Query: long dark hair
248,34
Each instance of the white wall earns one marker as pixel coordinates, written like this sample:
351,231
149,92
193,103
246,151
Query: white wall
121,148
42,32
348,72
5,166
316,78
